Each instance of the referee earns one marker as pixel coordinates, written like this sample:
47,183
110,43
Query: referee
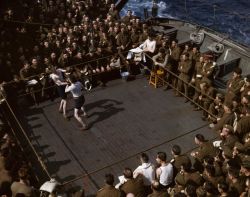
75,87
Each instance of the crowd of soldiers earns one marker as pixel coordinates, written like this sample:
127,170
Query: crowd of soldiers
80,40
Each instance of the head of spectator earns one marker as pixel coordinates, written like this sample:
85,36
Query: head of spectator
161,158
185,56
223,188
228,107
190,191
186,168
127,173
233,174
245,99
199,139
245,167
129,13
226,131
156,186
210,189
174,44
109,179
176,150
144,158
209,171
219,98
237,73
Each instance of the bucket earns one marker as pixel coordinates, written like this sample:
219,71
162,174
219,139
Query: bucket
125,75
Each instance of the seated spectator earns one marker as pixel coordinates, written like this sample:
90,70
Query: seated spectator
146,170
131,185
205,149
23,185
178,159
188,175
109,189
227,136
157,190
165,172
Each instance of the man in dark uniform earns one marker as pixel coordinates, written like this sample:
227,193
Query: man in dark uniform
184,68
109,189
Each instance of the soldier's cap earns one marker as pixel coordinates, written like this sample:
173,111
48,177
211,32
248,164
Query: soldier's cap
229,127
220,96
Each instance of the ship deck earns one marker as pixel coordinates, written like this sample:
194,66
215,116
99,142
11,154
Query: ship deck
126,118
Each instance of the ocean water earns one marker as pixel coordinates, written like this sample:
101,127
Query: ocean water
230,17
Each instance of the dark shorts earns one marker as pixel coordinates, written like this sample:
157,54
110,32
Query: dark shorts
61,91
79,102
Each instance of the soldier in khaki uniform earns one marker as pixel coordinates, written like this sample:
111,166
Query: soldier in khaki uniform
205,149
157,190
187,175
178,159
228,138
134,186
234,85
184,68
209,175
197,76
109,189
175,53
208,69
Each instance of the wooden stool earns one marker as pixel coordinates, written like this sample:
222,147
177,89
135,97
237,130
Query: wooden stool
156,78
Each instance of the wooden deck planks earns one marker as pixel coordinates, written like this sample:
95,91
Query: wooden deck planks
125,118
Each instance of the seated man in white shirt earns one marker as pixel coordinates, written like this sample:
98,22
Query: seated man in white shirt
146,170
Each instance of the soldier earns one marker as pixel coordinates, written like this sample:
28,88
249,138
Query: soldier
216,107
197,76
175,53
184,68
109,189
131,185
228,138
178,159
157,190
208,69
209,175
227,118
205,149
236,183
234,85
188,175
206,96
243,125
